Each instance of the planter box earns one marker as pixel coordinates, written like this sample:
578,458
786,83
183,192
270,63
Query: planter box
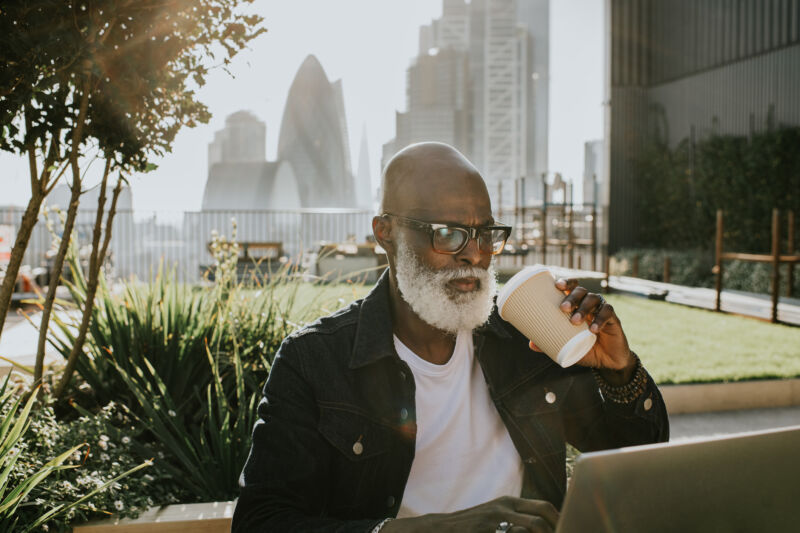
212,517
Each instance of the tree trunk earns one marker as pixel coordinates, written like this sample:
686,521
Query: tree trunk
95,264
29,219
55,277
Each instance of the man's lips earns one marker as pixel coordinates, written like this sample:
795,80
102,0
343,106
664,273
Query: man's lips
465,284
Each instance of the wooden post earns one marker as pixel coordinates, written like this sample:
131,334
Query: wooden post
790,251
570,238
636,266
607,268
666,269
516,204
544,219
718,261
579,262
522,209
776,262
594,238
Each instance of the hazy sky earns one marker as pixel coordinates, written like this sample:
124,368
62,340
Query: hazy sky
368,44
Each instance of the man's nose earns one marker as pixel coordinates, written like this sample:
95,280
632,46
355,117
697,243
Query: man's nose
471,254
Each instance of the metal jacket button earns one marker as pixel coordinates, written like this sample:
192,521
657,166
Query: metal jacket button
358,448
550,397
403,413
648,404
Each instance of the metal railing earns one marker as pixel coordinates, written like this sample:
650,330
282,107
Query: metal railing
142,241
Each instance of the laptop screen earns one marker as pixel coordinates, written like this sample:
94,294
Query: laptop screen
746,482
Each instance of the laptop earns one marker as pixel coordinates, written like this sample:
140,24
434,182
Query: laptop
749,482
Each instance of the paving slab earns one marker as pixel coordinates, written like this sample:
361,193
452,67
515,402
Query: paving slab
715,424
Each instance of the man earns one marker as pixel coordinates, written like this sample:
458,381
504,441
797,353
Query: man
419,402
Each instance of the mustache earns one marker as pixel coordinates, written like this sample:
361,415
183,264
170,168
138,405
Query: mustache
464,272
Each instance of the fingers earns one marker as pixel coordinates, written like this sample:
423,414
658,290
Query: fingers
539,508
525,523
566,285
583,305
603,315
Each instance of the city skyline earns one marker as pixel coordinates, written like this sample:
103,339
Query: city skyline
370,54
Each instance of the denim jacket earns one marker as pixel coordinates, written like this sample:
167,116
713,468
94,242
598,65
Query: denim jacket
333,447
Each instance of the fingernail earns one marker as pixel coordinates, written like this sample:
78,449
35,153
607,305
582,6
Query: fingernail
577,317
566,306
560,281
595,328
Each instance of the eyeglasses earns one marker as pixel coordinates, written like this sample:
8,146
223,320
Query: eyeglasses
452,238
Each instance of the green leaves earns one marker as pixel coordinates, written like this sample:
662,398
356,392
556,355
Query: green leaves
12,429
189,362
133,58
682,188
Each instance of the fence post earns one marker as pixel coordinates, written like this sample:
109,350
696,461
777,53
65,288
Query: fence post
790,251
570,238
718,261
666,269
636,266
522,210
544,219
607,268
776,262
594,238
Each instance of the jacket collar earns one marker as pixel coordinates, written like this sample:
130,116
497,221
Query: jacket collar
374,333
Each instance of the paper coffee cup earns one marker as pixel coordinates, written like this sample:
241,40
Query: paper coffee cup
531,302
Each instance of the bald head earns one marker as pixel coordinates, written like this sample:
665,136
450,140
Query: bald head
423,178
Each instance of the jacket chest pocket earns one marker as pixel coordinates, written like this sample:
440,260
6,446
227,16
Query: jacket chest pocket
359,453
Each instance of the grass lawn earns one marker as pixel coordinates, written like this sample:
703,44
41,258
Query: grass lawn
679,344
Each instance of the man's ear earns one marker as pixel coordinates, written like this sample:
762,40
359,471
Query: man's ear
382,230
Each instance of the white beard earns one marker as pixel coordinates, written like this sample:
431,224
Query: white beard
443,307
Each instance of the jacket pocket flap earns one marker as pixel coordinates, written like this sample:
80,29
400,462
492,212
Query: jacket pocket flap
538,398
354,435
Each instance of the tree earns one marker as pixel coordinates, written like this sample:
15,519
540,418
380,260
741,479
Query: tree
112,78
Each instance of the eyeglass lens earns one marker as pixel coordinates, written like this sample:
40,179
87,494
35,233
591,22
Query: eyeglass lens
453,239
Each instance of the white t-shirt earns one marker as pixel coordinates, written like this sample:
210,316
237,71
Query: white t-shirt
464,455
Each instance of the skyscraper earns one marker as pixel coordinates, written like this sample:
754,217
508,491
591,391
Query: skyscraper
242,140
314,140
486,62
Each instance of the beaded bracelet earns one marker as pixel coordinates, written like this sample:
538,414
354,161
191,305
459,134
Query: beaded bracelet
380,525
624,393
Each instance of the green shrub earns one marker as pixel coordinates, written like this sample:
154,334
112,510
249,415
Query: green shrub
693,268
39,493
189,363
687,267
109,453
681,188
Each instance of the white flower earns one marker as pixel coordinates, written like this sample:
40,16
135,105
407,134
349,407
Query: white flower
119,505
103,445
126,439
171,413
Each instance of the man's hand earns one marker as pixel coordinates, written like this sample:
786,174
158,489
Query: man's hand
527,516
611,351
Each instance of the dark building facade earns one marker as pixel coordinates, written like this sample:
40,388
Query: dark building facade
679,69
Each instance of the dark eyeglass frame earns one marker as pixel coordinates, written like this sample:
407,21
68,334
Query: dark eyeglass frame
473,232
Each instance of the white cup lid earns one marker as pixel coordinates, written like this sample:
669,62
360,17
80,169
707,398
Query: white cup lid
576,348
